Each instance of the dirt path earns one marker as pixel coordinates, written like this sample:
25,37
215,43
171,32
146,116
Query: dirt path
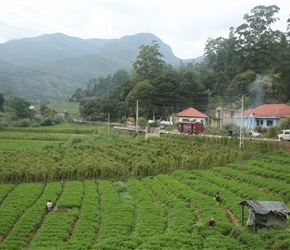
233,219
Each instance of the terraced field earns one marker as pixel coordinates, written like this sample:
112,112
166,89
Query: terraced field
167,211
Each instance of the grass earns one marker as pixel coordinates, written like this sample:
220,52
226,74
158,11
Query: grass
70,107
8,145
36,138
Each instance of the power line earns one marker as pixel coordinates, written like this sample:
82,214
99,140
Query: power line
62,77
73,28
103,59
79,40
56,43
32,79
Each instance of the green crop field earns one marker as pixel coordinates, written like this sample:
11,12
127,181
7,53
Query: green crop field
115,192
70,107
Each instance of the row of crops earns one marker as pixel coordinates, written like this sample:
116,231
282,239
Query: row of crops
83,158
165,211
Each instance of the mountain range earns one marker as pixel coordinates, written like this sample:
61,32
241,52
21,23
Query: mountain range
51,67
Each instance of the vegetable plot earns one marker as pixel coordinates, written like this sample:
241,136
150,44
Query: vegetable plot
166,211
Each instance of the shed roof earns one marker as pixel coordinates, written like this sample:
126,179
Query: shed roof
265,207
191,112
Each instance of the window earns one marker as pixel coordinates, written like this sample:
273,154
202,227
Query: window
259,122
269,123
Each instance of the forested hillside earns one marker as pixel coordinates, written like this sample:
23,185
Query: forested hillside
49,68
252,61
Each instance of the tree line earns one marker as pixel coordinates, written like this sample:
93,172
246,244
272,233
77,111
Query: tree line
254,60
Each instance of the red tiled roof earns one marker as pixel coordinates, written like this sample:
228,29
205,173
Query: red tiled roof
191,112
269,110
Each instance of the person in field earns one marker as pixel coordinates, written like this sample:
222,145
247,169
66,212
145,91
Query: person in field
211,222
218,197
48,206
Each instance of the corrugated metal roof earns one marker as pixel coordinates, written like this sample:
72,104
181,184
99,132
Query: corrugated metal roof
269,110
265,207
191,112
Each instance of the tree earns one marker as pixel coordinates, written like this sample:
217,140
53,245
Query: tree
283,82
21,107
256,41
149,63
144,92
98,109
46,111
239,85
1,102
166,97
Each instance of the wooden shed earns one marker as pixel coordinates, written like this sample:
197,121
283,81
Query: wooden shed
267,214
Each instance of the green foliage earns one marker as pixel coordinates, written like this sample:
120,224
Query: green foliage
1,102
149,63
109,155
21,107
273,132
165,211
252,46
285,123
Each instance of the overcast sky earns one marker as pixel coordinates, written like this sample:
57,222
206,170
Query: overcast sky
183,25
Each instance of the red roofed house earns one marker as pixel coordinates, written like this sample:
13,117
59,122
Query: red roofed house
191,114
264,116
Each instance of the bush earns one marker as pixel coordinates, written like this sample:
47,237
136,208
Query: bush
51,120
273,132
22,123
285,123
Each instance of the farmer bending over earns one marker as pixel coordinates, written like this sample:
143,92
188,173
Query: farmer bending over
211,222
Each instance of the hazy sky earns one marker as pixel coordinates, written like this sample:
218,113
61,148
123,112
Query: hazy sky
183,25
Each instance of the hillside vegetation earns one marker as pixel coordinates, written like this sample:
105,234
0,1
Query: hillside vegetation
116,192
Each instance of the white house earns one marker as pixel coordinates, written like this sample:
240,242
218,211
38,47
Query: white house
191,114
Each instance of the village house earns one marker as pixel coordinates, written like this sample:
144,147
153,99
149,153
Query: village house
223,116
264,116
191,114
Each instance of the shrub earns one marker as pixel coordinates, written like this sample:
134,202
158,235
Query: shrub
273,131
22,123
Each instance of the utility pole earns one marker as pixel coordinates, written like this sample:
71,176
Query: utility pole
108,122
137,103
242,124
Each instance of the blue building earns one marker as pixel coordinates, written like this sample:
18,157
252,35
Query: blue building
264,116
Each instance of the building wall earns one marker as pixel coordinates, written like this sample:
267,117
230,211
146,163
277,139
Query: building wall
224,116
263,122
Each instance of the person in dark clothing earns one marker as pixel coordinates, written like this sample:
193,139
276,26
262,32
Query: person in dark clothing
218,197
211,222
